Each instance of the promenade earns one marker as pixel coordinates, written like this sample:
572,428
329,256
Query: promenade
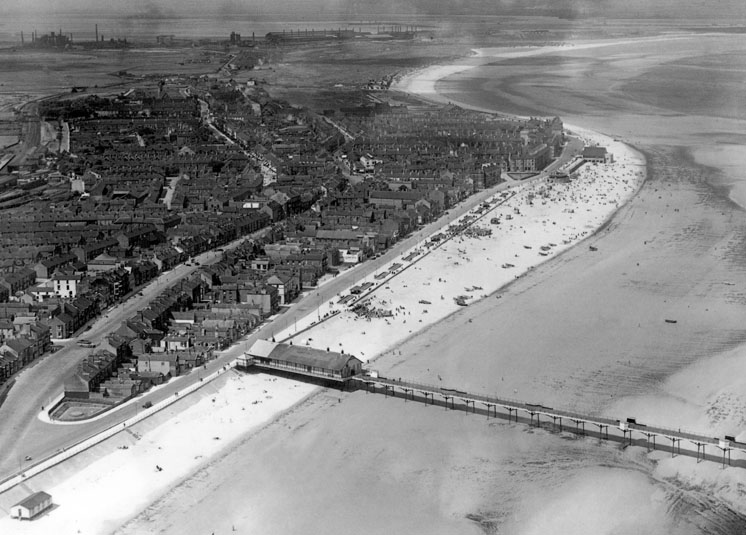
41,440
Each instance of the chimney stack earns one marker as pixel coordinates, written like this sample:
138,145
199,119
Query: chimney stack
97,33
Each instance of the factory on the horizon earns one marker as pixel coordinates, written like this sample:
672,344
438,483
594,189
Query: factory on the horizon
65,40
393,31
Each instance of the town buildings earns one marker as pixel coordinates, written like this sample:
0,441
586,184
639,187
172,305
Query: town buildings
156,175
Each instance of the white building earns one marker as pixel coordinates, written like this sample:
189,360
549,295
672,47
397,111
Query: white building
31,506
66,284
351,256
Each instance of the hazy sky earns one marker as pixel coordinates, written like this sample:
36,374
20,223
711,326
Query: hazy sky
727,9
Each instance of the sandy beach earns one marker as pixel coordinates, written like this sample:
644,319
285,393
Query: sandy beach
179,440
543,214
523,227
586,331
576,328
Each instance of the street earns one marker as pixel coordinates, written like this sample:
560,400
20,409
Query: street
24,434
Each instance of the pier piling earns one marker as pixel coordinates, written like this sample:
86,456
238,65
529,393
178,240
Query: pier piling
468,402
578,425
700,446
726,450
674,443
555,418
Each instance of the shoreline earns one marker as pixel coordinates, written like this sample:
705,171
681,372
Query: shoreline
415,471
416,84
272,418
423,83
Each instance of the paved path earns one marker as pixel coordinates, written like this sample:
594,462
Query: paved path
24,434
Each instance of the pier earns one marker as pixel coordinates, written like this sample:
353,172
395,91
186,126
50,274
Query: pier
628,432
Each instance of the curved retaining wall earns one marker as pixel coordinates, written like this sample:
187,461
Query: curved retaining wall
83,445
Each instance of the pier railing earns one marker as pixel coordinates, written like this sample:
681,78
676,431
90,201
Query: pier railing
469,401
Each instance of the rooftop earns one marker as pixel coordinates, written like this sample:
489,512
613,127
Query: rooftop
300,355
33,501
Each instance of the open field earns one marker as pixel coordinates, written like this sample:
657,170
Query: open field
43,73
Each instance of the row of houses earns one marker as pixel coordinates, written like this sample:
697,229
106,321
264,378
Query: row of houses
23,339
415,144
178,331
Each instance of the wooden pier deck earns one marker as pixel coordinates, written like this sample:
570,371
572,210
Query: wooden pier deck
469,402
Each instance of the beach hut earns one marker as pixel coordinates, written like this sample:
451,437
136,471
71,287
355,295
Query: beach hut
32,506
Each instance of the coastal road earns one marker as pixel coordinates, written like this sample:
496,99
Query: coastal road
37,385
26,435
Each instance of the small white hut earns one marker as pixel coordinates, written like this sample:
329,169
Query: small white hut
32,506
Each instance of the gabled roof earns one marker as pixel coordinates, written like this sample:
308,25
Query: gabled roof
18,344
66,318
400,195
103,257
76,383
160,357
262,348
115,340
35,500
66,276
594,152
338,234
305,356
